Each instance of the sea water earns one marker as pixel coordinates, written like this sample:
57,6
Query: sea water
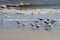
9,22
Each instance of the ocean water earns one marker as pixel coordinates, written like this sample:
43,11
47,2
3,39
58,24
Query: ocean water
55,2
30,1
9,21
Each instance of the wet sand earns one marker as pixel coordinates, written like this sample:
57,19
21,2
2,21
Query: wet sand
29,35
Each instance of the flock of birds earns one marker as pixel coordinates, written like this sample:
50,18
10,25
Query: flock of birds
48,24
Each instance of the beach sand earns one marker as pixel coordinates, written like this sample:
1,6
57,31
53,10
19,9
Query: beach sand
29,35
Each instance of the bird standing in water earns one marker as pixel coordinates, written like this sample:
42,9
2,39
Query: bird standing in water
32,26
1,21
47,24
52,22
40,19
18,24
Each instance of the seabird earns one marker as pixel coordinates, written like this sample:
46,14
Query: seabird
1,21
17,22
46,22
40,19
53,21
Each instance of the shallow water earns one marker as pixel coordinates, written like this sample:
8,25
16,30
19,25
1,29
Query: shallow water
27,19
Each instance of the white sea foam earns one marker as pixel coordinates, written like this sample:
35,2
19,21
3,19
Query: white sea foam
29,11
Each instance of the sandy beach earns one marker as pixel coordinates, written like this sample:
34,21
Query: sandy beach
29,35
29,20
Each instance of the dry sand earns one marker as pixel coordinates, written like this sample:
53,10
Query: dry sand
29,35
